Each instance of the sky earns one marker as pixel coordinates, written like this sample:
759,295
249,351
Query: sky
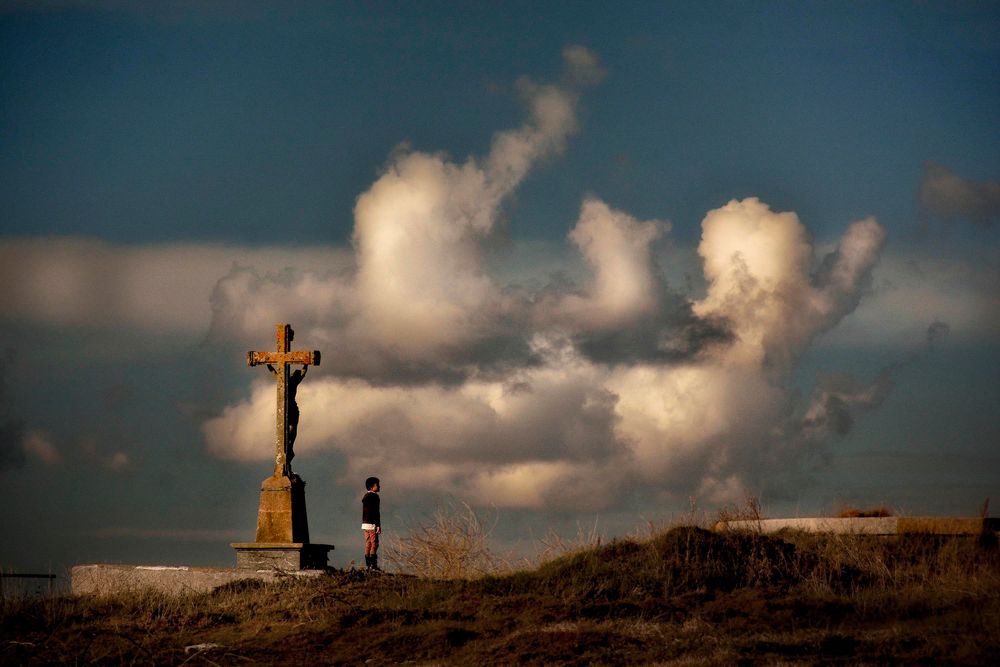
572,264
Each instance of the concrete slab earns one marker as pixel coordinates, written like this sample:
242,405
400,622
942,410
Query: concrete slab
891,525
107,579
860,526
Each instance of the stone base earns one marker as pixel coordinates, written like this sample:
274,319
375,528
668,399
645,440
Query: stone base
281,555
107,579
282,513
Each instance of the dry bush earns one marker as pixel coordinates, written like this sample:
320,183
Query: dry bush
452,544
750,510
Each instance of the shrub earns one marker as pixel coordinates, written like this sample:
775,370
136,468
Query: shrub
453,544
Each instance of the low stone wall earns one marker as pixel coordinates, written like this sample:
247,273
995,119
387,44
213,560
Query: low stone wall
889,525
103,579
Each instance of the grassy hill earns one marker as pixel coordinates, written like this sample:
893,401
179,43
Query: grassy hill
686,596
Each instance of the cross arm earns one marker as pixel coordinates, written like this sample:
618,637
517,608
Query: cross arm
305,357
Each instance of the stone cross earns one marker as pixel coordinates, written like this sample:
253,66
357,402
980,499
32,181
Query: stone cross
278,363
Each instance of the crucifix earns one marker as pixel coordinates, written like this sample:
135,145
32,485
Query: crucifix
287,417
282,540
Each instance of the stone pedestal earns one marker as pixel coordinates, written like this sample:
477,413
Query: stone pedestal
282,530
286,556
282,513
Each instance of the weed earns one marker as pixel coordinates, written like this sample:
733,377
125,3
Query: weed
749,511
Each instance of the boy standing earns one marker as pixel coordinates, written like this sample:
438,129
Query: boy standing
371,522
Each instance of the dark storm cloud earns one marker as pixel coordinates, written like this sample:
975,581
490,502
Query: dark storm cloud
839,396
672,334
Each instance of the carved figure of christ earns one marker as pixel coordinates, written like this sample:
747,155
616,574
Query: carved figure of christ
286,418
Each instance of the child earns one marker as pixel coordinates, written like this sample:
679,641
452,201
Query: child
371,522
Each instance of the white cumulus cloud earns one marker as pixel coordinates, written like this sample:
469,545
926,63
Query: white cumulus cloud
563,430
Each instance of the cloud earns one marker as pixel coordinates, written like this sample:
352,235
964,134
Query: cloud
419,302
77,282
947,196
617,248
759,267
837,397
443,437
92,450
626,312
909,290
583,67
119,461
421,286
567,429
39,445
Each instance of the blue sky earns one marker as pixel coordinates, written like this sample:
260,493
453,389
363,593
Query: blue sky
176,177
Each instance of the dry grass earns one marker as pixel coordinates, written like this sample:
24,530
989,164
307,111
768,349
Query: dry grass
453,544
554,545
750,510
679,596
